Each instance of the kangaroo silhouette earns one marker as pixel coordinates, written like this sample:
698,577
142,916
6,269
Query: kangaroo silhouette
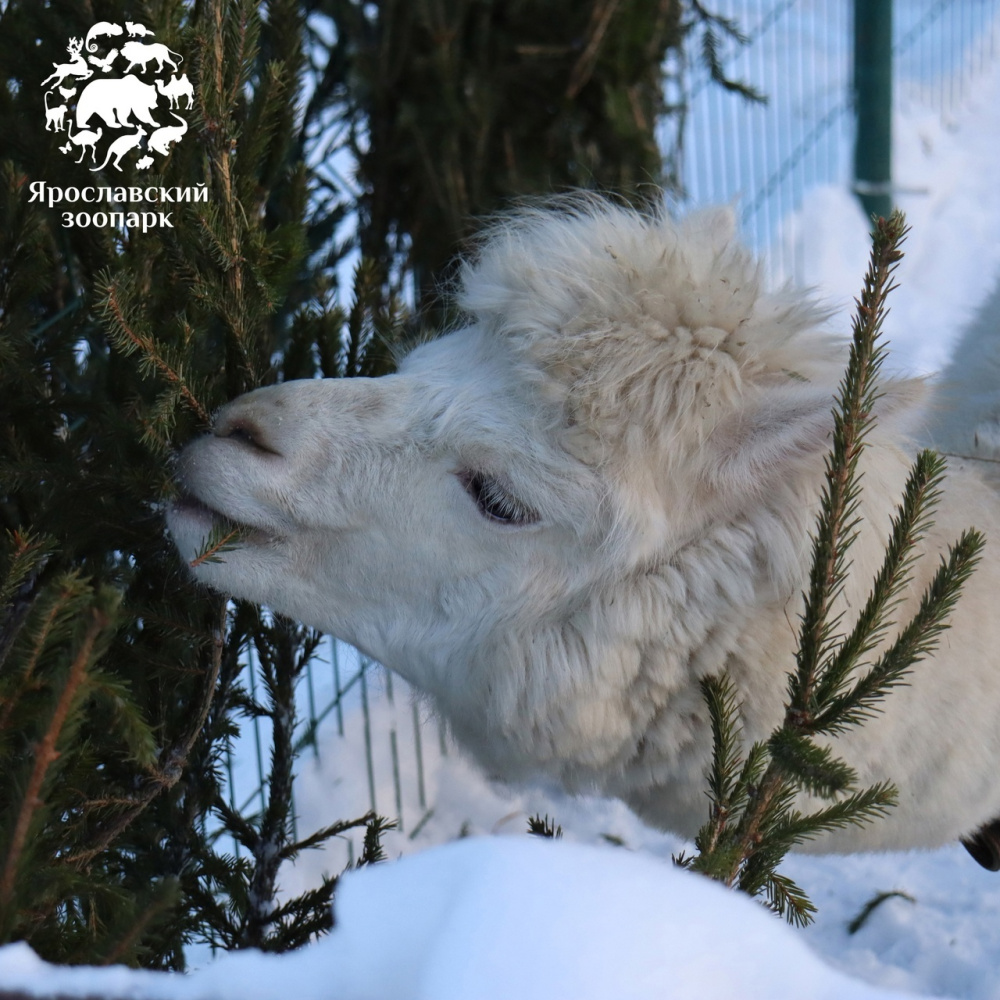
120,147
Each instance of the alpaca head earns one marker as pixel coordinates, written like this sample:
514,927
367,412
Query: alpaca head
509,520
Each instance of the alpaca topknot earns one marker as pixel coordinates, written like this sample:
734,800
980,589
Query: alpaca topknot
548,266
606,303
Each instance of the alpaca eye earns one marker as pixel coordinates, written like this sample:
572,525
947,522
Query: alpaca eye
493,500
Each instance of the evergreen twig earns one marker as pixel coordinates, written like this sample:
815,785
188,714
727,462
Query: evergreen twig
544,827
752,820
131,339
172,759
221,539
45,754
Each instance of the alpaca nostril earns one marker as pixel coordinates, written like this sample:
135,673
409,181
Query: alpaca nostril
245,430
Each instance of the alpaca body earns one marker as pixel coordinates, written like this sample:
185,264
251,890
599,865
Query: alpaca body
555,521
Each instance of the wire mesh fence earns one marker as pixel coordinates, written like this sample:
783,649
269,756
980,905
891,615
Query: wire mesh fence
348,707
763,158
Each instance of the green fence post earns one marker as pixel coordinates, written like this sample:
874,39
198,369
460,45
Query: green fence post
873,105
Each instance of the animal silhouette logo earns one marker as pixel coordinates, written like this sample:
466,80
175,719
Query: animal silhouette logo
115,100
76,67
85,139
104,64
177,88
142,53
54,116
163,138
122,145
116,97
101,28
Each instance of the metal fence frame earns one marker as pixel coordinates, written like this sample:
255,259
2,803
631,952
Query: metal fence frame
766,159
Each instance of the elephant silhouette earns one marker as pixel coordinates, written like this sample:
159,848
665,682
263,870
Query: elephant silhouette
114,100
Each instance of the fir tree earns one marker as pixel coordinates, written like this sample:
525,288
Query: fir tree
121,679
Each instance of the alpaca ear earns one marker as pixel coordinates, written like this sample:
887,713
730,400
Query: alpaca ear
771,439
789,428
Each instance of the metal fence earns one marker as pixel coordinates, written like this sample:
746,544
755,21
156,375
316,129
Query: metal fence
351,708
764,159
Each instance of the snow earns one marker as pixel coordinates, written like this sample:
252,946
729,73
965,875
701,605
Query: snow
495,918
603,913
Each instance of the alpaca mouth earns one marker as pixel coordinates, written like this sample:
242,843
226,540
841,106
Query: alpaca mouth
221,530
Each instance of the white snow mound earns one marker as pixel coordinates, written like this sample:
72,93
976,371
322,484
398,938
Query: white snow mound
498,917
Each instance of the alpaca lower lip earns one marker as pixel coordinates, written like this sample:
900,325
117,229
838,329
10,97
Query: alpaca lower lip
190,507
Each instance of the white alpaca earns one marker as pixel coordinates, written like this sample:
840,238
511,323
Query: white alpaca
966,418
557,519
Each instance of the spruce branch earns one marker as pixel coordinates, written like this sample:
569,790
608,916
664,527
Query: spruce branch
164,897
920,494
228,52
710,21
224,537
720,696
171,761
129,339
540,826
839,501
320,837
71,588
915,641
27,555
786,899
45,754
810,765
372,851
752,821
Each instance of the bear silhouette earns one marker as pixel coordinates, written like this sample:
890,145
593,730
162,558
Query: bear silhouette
114,100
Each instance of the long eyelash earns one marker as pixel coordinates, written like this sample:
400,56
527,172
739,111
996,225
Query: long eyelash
494,502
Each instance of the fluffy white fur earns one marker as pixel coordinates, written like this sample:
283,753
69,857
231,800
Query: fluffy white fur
966,418
665,419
